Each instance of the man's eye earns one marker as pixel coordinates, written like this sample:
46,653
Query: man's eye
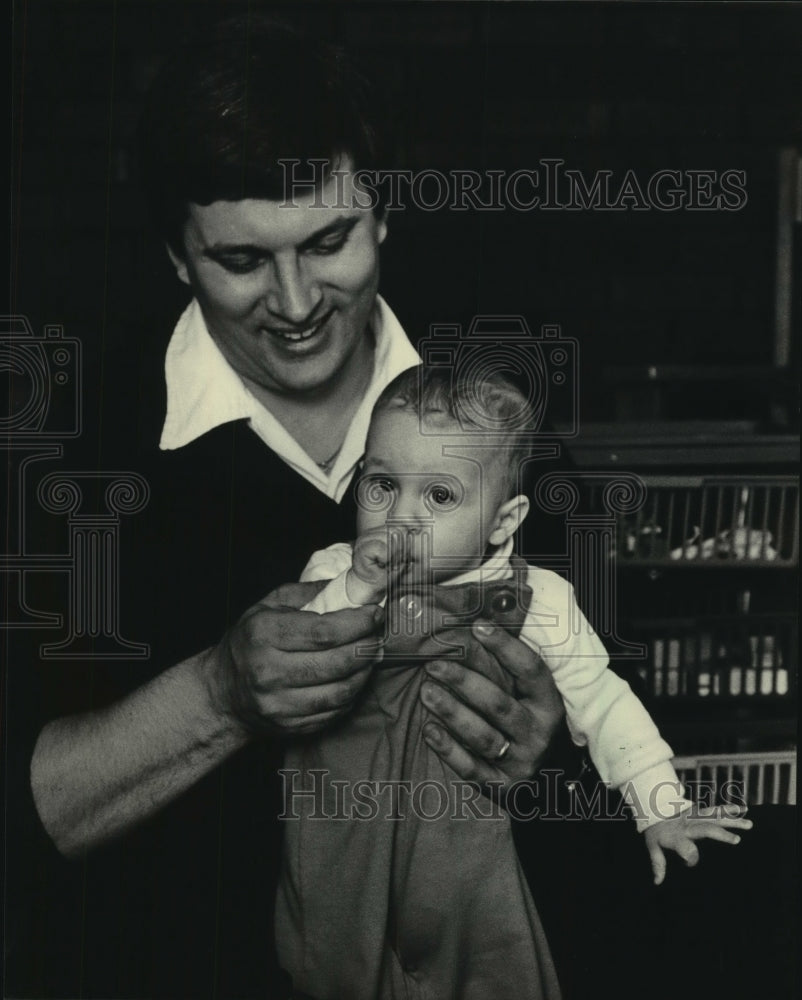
329,246
442,496
239,265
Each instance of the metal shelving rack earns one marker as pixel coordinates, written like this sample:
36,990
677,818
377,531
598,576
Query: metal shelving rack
707,575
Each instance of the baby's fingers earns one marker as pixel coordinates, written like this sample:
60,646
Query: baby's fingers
731,824
728,812
712,831
724,816
658,860
688,851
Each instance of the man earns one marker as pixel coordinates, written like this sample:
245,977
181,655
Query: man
271,375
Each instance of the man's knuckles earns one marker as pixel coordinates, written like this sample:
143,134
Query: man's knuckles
487,745
262,627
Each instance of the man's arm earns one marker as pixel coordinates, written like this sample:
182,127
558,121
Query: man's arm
96,775
278,670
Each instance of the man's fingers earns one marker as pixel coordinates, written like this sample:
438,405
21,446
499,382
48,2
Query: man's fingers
278,665
461,761
658,860
517,658
293,595
478,735
303,725
312,699
498,708
293,631
306,710
306,669
474,654
532,678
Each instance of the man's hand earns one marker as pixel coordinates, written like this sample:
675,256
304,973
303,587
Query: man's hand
288,671
679,834
488,735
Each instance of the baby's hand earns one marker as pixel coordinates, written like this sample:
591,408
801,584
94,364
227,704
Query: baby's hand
679,833
366,581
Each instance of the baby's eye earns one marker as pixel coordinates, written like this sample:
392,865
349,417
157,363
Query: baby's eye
375,493
443,496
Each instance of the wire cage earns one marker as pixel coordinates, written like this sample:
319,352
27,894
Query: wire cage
754,779
713,521
703,574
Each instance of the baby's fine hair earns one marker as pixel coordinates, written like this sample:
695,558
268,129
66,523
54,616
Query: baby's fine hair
481,404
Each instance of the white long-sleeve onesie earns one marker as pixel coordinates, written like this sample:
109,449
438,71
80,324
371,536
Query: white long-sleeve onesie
602,711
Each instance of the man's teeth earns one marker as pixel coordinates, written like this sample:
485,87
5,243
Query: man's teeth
297,335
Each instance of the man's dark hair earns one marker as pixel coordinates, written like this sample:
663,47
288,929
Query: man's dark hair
235,99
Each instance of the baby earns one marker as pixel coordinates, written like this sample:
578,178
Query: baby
422,896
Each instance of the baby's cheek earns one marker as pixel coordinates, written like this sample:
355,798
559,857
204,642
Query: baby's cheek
367,520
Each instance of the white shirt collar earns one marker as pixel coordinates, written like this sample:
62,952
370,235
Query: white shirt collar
203,392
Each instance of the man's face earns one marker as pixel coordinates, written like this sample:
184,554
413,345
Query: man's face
409,479
286,289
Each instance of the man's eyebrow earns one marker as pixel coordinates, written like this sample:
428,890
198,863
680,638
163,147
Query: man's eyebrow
221,249
341,225
371,462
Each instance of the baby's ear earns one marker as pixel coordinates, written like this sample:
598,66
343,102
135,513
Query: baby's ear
508,517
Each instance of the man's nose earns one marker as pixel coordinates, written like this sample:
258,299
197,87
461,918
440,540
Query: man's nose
294,293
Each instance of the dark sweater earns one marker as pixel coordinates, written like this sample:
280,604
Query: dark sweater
182,906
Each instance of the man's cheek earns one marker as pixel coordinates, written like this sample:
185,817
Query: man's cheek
356,271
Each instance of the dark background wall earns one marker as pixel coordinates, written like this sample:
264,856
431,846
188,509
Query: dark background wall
483,86
488,86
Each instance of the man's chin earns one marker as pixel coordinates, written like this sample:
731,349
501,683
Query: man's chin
306,377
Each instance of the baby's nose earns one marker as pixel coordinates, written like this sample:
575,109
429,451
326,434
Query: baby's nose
409,521
410,539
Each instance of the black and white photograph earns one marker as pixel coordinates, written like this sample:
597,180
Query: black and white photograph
401,501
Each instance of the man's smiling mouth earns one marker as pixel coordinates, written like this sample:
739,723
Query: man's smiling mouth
293,335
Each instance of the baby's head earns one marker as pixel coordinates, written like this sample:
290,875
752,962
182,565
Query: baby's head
442,460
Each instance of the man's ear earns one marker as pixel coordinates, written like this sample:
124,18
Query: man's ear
508,518
179,264
381,226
